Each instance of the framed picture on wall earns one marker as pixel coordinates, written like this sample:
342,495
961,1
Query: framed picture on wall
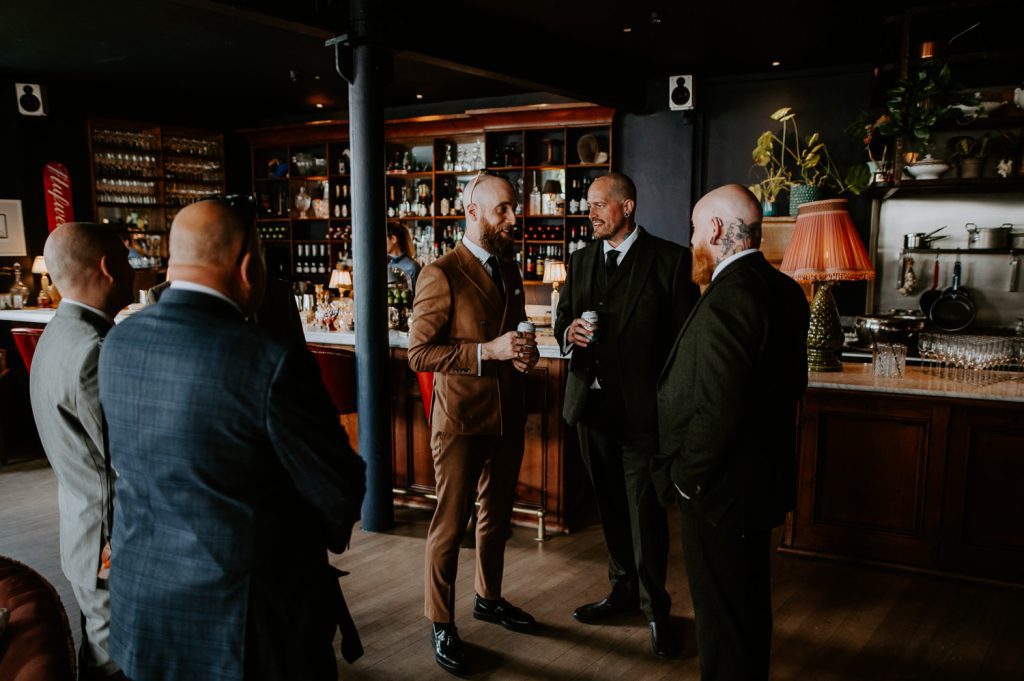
12,228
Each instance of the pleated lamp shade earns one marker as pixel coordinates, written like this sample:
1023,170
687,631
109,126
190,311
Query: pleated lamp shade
825,245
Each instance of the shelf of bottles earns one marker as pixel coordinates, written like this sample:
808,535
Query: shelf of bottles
303,208
143,175
304,195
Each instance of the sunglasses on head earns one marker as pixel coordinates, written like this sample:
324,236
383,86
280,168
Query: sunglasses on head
476,182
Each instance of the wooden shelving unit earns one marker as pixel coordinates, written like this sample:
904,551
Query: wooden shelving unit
430,160
143,174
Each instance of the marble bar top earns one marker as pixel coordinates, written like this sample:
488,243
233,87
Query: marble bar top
1000,386
397,339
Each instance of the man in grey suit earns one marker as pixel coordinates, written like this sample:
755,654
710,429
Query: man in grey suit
640,287
727,406
234,477
89,264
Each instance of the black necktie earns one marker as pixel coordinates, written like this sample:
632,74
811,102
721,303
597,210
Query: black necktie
494,270
611,263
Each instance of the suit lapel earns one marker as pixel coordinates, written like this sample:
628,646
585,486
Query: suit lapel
643,257
585,279
513,288
746,261
475,272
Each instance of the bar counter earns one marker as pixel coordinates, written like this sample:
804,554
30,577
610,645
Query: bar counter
923,473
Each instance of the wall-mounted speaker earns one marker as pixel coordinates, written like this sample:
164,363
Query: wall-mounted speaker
31,99
680,93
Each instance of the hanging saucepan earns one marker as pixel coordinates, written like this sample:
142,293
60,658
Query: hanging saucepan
954,310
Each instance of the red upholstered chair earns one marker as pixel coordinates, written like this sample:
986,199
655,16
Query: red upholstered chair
426,379
37,643
26,340
338,372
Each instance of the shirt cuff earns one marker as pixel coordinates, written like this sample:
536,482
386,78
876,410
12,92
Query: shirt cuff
565,343
479,362
681,492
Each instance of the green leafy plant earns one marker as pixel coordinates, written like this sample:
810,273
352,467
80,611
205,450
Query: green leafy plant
789,160
966,146
916,104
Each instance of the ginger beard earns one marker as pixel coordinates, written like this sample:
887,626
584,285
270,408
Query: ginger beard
703,264
495,237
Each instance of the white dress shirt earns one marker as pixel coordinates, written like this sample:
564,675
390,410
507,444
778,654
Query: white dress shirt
735,256
98,311
182,285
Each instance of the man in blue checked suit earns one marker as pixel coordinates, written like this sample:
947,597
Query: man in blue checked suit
235,477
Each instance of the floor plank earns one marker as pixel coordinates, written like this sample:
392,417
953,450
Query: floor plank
833,621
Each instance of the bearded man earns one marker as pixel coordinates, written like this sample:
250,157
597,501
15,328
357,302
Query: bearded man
727,407
468,305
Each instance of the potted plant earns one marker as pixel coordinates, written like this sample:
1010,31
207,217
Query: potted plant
810,168
918,103
969,154
867,130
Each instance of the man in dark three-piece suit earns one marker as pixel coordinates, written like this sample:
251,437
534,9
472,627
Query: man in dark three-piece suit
467,307
640,288
235,477
727,414
89,264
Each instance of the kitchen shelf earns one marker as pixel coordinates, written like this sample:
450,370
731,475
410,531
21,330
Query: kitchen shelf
966,251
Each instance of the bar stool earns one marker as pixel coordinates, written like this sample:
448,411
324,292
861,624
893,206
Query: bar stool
426,379
338,372
26,340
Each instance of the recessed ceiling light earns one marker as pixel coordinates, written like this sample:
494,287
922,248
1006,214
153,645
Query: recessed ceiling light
316,77
655,18
776,63
319,105
627,29
419,96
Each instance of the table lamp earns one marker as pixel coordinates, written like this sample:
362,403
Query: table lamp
554,274
552,192
39,267
341,280
825,249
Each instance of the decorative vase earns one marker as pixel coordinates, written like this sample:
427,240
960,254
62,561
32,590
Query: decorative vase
771,209
971,167
800,194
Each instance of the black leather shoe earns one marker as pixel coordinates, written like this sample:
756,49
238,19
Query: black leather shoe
448,647
663,641
592,613
504,613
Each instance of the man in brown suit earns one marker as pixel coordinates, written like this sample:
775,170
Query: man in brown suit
468,305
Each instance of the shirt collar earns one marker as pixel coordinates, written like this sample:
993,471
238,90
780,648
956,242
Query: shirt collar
479,252
624,246
725,263
183,285
96,310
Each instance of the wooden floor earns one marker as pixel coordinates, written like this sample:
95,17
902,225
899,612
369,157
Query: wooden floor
832,621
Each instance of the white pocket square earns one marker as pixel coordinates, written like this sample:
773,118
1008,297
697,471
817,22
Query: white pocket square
517,292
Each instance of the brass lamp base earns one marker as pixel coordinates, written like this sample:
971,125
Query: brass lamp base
825,333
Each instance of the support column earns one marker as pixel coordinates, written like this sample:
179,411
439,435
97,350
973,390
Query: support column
369,254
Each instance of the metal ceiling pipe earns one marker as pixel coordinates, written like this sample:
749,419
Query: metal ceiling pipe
362,59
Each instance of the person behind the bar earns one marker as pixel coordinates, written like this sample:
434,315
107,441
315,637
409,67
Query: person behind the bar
466,311
235,477
727,408
89,264
402,253
640,287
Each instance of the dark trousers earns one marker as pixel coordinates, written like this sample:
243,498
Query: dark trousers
730,585
634,523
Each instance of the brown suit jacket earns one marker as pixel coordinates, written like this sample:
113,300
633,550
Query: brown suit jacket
458,306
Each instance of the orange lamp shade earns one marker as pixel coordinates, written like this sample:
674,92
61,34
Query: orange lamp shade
825,245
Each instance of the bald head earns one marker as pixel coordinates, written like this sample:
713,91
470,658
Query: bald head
490,203
734,205
89,263
73,252
619,187
207,234
213,244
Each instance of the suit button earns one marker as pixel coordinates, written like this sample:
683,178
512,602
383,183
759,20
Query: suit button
698,491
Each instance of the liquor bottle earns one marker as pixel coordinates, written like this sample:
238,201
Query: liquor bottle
574,199
540,265
458,208
519,195
19,292
535,198
392,206
444,204
584,205
529,262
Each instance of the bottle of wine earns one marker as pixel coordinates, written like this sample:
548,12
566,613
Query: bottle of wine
574,198
535,198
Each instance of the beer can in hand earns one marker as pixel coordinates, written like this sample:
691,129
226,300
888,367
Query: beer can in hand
526,327
590,317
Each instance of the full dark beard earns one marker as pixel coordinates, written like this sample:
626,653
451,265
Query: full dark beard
494,241
703,265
